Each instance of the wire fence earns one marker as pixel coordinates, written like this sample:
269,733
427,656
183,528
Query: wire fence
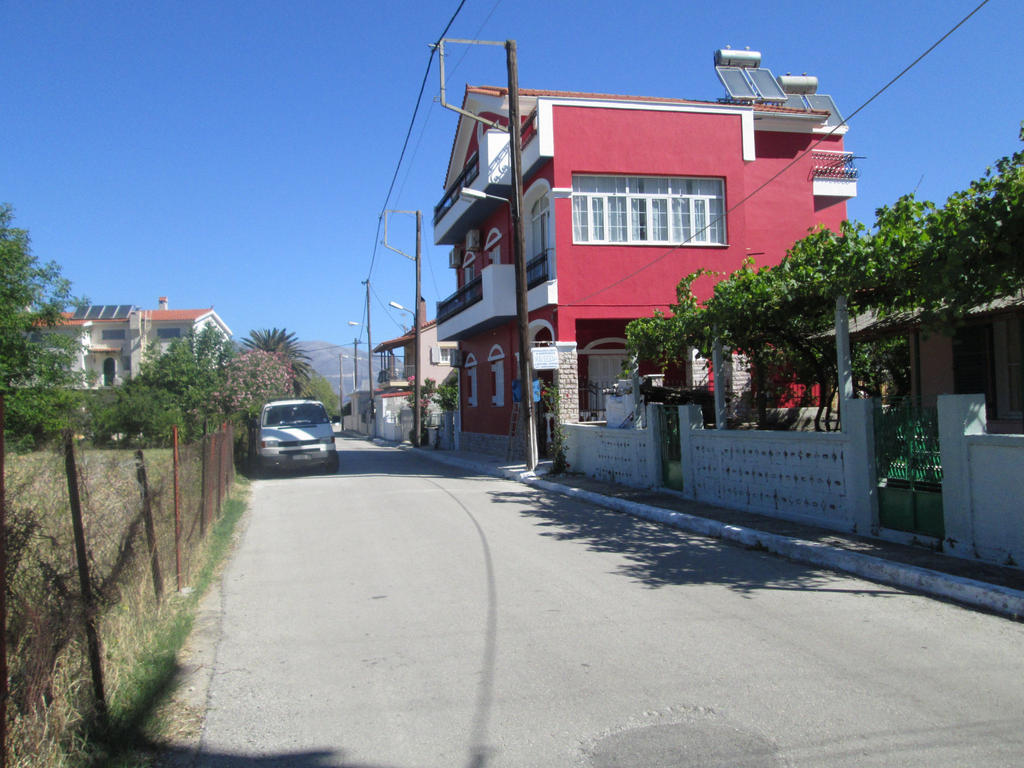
96,545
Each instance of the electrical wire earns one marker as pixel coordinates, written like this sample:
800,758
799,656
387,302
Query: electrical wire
789,165
408,133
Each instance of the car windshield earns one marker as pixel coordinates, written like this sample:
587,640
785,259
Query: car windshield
294,415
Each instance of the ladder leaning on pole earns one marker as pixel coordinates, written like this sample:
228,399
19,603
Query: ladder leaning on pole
513,431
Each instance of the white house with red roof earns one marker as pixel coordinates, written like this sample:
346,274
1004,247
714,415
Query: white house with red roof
623,197
115,337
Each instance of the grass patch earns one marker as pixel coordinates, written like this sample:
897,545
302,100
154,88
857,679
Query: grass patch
51,716
143,715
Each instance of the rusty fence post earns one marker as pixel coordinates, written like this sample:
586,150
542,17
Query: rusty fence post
91,635
177,511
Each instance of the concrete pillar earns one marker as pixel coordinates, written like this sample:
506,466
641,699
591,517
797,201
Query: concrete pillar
691,419
843,354
959,415
568,379
652,448
859,466
718,371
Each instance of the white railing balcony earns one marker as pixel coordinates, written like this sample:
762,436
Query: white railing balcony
834,174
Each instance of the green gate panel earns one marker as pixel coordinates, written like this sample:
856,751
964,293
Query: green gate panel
896,508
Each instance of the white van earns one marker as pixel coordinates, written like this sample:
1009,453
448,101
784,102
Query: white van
296,434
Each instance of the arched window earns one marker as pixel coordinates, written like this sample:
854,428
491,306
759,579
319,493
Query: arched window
470,366
493,246
497,360
109,372
540,221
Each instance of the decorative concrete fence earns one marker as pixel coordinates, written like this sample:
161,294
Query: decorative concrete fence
624,456
982,484
826,479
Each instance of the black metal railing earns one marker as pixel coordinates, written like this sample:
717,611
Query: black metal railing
537,270
466,296
469,173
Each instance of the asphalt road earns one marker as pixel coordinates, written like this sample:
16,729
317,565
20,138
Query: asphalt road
400,614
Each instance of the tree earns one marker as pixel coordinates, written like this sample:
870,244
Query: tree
252,379
936,263
284,343
191,371
319,388
35,360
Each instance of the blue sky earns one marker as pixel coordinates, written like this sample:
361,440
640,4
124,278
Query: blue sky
238,153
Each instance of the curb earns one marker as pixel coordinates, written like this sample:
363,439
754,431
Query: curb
970,592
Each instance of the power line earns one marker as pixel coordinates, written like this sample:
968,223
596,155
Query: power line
408,133
789,165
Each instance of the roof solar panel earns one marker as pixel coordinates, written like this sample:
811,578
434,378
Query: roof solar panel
795,101
823,102
735,83
766,83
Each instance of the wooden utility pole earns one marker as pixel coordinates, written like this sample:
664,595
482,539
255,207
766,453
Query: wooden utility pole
417,385
369,363
518,240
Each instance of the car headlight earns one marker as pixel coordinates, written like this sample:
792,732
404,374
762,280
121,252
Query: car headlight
327,440
270,442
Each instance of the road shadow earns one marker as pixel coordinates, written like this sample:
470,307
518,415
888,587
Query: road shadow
658,555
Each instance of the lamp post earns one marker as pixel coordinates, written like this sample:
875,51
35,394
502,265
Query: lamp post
415,314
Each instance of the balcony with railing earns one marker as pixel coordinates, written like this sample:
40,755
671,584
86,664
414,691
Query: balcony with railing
393,372
488,170
483,303
834,173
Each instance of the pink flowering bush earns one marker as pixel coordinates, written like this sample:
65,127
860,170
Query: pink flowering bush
252,378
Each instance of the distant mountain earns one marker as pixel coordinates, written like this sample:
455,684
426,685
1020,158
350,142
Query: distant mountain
323,357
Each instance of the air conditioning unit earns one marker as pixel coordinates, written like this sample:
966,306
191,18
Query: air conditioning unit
473,240
454,258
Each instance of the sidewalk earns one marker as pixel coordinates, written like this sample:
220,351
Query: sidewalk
985,586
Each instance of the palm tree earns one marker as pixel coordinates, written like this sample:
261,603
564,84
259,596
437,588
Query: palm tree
279,341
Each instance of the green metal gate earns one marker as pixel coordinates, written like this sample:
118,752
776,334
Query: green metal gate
671,453
909,468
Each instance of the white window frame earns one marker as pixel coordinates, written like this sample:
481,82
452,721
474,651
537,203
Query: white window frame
497,360
648,210
471,383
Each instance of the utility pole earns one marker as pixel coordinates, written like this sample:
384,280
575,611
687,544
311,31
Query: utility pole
415,314
369,362
522,307
341,386
355,365
417,416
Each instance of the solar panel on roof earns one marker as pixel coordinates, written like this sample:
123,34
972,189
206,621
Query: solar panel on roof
766,84
735,83
795,101
824,103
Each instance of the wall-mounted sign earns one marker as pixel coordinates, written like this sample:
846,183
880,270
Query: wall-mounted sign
544,358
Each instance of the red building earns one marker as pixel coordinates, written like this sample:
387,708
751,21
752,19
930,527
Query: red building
623,196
